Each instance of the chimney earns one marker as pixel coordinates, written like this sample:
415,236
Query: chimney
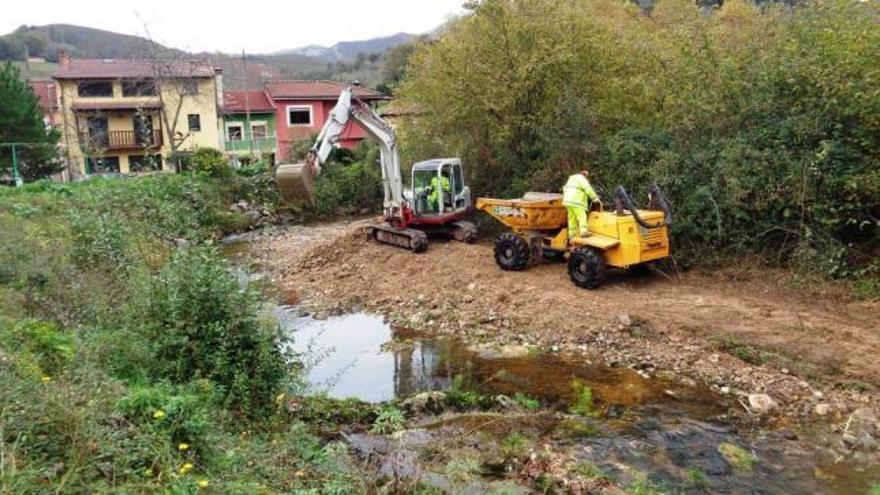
63,58
218,84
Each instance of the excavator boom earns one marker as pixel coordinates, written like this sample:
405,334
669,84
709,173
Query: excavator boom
296,181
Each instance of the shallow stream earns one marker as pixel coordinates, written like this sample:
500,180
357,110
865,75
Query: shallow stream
638,427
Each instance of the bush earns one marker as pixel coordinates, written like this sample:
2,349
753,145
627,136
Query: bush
761,124
210,162
204,326
350,182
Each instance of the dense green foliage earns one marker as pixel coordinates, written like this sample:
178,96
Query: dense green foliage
351,182
210,162
21,121
761,124
131,358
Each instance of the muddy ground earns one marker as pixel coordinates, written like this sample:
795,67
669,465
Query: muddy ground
736,330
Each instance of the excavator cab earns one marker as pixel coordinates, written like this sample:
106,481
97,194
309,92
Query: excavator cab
439,189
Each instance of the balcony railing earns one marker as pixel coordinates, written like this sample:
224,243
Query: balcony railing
122,140
259,145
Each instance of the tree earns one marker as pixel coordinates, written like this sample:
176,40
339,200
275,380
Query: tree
761,122
21,121
176,82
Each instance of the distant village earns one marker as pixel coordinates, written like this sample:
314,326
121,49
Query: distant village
138,115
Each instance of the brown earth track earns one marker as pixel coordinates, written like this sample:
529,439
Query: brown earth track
651,323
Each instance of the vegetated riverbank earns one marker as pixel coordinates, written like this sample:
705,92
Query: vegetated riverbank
131,360
744,339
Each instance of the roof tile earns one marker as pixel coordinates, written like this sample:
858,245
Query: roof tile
319,90
79,68
257,101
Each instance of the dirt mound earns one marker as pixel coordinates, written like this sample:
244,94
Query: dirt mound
741,337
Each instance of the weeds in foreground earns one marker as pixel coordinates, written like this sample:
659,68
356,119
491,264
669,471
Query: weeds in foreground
389,420
739,458
582,403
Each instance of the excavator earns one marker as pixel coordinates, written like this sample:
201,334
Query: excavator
436,203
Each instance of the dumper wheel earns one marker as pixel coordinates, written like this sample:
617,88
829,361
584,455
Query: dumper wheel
586,268
511,252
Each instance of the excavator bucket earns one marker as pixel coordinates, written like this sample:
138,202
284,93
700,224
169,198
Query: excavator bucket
296,182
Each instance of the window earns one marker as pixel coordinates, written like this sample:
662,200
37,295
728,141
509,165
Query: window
97,135
234,131
458,179
299,115
138,88
103,165
95,88
259,130
144,163
189,86
195,122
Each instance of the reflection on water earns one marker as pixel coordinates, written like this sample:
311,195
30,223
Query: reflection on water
356,356
361,356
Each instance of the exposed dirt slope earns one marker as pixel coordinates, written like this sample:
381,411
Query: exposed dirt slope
698,326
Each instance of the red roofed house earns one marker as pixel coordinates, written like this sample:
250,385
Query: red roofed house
301,108
132,115
47,94
249,125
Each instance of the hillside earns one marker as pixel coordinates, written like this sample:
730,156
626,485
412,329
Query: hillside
349,50
79,41
345,61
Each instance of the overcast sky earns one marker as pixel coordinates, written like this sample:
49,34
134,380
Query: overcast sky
230,26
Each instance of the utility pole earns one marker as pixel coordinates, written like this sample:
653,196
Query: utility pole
247,106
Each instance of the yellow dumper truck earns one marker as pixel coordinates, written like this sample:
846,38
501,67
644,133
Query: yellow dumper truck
623,237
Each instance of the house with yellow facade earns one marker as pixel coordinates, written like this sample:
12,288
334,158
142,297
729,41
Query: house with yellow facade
135,115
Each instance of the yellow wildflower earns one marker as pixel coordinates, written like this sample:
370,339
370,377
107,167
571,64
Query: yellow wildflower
47,379
159,414
280,399
187,467
183,447
202,483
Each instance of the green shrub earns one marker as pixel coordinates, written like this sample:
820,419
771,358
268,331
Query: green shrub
210,162
204,326
350,182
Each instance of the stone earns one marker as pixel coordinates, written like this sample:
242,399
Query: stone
624,319
818,394
863,421
725,390
788,434
762,403
426,401
822,409
714,358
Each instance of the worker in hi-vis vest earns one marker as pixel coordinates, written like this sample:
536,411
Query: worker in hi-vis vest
576,197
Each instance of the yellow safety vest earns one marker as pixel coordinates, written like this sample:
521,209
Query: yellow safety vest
578,192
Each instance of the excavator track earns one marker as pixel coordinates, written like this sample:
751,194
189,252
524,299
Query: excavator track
464,231
414,240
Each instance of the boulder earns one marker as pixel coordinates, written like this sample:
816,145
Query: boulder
762,403
426,402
